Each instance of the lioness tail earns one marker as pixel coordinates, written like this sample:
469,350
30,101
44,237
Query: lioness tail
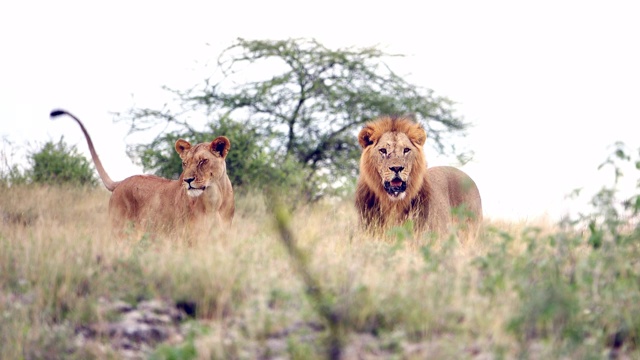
106,180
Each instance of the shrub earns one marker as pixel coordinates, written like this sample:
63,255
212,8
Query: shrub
59,163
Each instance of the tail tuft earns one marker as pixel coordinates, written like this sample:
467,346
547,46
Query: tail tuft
55,113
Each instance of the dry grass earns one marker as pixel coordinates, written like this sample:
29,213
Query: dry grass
394,297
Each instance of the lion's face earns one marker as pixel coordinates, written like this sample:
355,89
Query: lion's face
392,158
202,164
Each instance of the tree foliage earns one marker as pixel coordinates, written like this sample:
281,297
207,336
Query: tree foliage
248,164
58,163
302,103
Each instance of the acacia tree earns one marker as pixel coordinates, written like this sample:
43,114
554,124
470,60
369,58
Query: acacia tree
309,107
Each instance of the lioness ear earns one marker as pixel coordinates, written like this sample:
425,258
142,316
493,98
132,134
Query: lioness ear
221,145
418,135
182,146
364,138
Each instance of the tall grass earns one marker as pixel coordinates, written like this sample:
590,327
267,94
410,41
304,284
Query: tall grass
521,290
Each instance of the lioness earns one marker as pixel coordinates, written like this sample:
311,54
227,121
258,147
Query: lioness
202,193
395,184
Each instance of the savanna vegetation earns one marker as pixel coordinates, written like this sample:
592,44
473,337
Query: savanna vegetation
303,282
310,285
54,163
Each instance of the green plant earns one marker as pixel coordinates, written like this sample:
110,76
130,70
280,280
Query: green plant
615,216
59,163
184,351
580,286
10,172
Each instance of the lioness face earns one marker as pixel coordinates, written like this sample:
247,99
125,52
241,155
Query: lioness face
395,157
202,164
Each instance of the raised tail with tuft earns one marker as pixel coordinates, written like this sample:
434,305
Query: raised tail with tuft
106,180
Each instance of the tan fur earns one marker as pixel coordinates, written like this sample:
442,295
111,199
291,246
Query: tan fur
202,195
434,198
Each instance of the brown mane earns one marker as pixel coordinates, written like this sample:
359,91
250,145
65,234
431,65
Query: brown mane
395,184
373,130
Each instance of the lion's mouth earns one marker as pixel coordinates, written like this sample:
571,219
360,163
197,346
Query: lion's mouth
395,188
195,192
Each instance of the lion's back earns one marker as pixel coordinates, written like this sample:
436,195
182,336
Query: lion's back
141,187
137,194
452,188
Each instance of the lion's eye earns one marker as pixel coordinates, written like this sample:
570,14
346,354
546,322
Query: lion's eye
383,151
406,150
184,163
202,162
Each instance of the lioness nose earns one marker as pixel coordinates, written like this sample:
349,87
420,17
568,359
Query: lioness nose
189,180
396,169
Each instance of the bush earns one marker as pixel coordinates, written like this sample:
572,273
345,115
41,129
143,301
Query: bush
59,163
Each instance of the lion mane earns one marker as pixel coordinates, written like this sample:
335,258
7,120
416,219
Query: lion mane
203,194
395,184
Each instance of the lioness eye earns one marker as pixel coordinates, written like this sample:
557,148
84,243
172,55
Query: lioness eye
383,151
184,163
202,162
406,150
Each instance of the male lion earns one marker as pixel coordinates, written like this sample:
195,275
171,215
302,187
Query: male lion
395,184
149,202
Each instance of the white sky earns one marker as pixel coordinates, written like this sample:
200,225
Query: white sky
547,85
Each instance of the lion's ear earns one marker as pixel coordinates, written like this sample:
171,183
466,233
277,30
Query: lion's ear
221,145
364,138
417,135
182,146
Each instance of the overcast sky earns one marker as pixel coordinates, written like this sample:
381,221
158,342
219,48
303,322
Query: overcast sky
547,85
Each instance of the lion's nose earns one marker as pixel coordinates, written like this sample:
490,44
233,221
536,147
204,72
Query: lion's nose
396,169
189,180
